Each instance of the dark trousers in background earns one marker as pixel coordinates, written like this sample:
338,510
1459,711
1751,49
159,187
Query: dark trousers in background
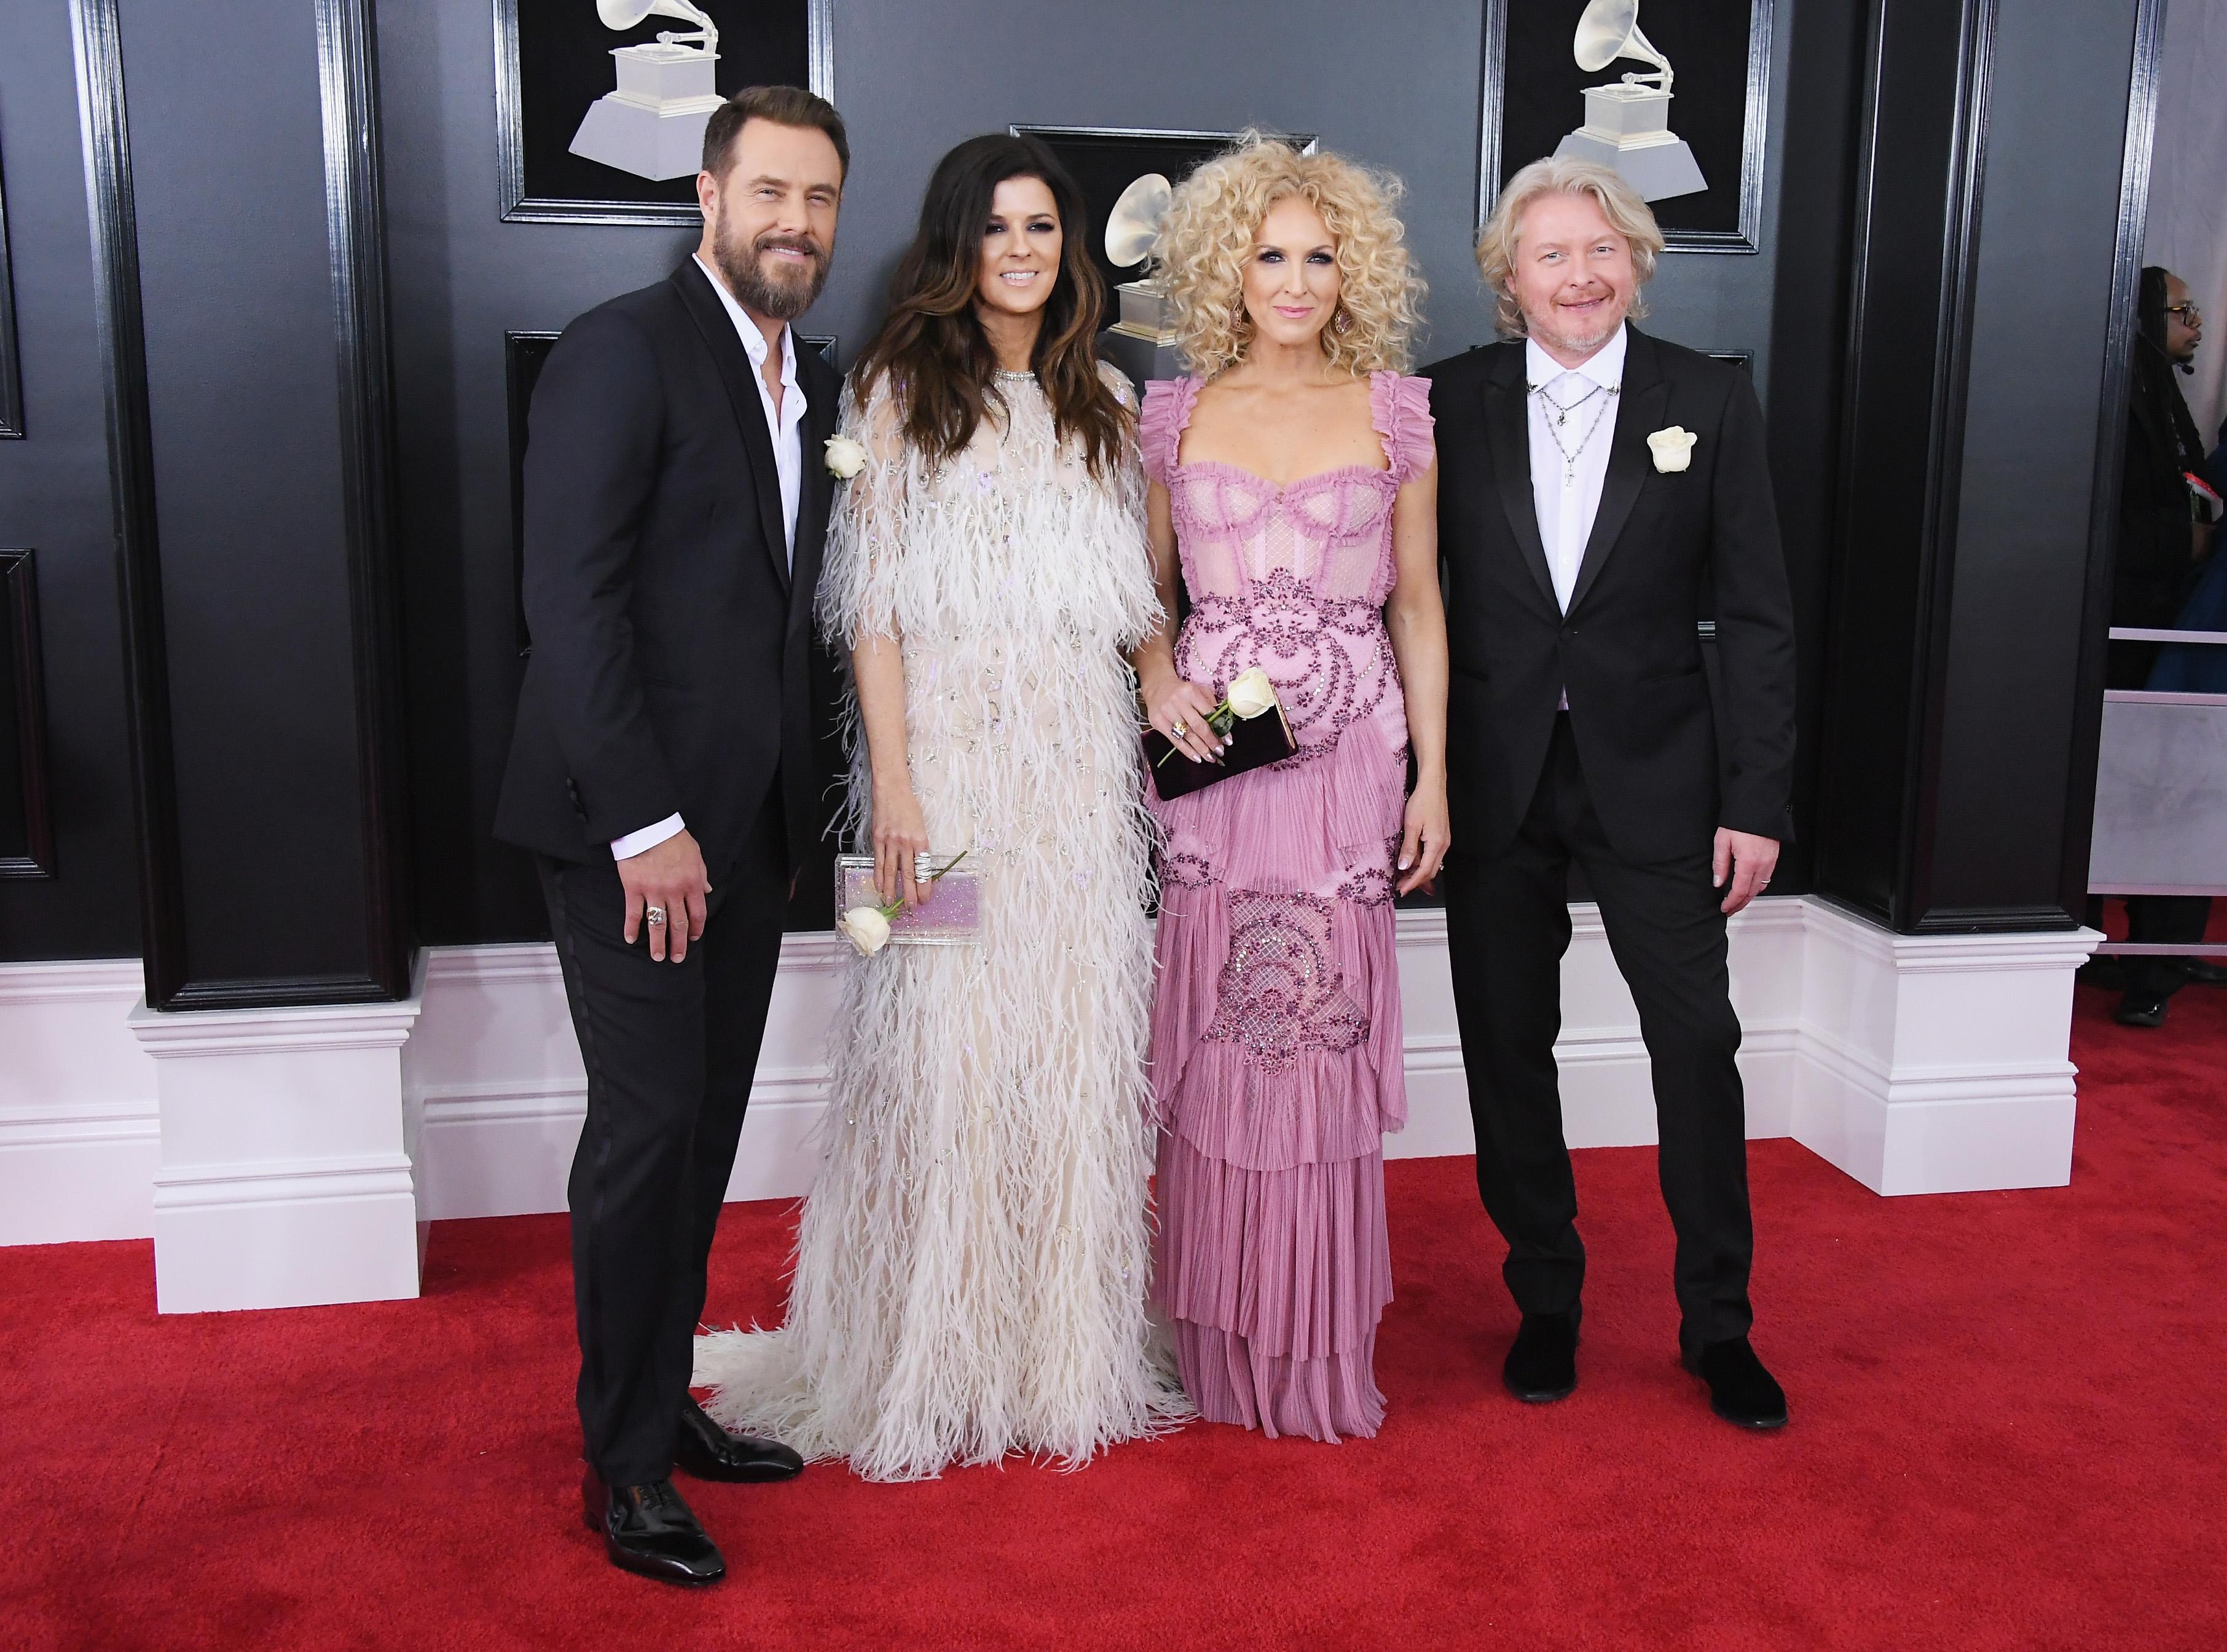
671,1050
2163,920
1507,925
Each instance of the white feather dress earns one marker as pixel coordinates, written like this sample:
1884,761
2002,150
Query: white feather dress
972,1264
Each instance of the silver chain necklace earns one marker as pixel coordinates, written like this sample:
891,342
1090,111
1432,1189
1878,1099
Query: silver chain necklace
1569,455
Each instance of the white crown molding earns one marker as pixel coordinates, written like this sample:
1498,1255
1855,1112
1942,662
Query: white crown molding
165,1033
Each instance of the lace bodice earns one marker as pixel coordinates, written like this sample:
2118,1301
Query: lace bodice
1292,578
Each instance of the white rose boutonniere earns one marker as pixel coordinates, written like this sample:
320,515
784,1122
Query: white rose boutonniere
1672,448
846,458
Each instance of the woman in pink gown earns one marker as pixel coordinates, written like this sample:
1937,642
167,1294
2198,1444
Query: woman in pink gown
1293,482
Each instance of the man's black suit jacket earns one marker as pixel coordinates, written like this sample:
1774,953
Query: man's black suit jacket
1666,551
672,662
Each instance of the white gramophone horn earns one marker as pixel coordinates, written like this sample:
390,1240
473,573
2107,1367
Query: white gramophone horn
625,14
1609,30
1133,228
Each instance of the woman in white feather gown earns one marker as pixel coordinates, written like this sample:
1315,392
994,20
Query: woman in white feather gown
972,1264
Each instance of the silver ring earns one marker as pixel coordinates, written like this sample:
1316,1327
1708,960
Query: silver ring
653,916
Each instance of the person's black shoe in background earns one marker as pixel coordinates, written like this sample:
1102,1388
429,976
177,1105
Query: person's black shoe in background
2141,1008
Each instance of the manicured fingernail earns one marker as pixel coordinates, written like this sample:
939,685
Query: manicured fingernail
1405,862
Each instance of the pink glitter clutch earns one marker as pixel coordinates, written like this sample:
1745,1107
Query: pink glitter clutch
951,916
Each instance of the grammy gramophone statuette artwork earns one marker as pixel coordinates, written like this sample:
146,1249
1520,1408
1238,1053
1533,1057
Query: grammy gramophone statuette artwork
1671,94
601,105
1142,342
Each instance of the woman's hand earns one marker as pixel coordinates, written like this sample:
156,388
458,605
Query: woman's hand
1427,836
899,837
1179,709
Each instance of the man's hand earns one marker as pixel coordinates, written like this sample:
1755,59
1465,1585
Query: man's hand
668,879
1747,861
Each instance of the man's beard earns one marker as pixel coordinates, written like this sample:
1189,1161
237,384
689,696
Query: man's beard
784,295
1577,343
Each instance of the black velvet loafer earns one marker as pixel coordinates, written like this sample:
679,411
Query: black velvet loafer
1542,1363
1740,1390
648,1530
709,1452
2203,972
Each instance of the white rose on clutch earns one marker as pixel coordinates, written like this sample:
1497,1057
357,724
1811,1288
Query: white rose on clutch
846,458
1672,448
865,928
1251,694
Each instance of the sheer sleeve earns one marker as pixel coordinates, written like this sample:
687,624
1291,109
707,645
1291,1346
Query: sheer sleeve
1160,426
1401,409
860,574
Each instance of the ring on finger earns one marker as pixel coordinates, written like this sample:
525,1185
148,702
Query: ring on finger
1181,729
653,916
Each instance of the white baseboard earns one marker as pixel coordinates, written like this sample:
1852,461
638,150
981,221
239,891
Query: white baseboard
78,1127
1915,1064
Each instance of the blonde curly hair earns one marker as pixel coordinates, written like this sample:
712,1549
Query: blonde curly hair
1208,237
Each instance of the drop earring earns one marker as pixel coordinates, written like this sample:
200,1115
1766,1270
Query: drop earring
1343,319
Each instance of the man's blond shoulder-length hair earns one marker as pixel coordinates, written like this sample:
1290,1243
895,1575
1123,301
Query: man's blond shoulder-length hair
1619,203
1208,234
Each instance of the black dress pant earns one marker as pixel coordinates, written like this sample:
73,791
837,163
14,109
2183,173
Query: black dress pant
2163,920
671,1050
1507,925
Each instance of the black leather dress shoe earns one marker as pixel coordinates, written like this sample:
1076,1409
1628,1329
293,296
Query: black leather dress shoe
2203,972
1740,1390
709,1452
2141,1009
648,1530
1542,1363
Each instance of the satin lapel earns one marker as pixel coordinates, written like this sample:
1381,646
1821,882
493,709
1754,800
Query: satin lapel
1508,433
1639,412
735,370
820,390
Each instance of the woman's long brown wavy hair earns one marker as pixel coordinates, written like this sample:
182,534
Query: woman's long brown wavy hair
932,346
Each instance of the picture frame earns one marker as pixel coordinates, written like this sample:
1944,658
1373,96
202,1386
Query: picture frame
27,828
11,375
524,353
552,62
1106,160
1533,96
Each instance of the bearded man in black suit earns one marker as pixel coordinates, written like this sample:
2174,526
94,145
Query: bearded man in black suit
1601,494
663,773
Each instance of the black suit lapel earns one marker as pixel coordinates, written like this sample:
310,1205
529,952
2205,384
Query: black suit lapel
1508,432
712,319
821,391
1639,413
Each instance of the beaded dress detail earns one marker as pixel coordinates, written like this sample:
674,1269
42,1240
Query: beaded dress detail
972,1263
1276,1043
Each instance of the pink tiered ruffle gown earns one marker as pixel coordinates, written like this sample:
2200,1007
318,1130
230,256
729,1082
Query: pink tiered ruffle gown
1275,1043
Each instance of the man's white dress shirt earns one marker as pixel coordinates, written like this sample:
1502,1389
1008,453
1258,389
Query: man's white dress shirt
784,426
1566,496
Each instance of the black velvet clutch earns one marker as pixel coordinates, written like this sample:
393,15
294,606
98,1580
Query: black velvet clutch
1252,743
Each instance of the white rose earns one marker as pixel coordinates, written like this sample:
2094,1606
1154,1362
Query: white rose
846,458
1672,448
1251,693
866,928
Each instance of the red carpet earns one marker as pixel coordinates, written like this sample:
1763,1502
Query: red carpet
2007,1434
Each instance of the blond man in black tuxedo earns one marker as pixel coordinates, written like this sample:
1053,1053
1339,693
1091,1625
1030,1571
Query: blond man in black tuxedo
1601,492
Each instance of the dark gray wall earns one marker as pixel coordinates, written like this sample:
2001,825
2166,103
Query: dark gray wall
1398,88
55,500
2041,311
